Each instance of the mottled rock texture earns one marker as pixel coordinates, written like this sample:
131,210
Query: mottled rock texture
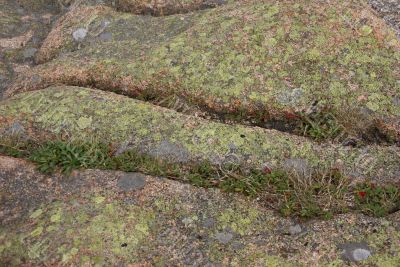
86,219
100,70
265,60
23,27
96,115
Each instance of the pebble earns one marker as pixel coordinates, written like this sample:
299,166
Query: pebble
29,52
208,223
105,36
295,229
224,238
79,34
355,251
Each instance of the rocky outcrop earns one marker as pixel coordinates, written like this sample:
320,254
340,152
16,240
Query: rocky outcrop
87,114
97,217
262,61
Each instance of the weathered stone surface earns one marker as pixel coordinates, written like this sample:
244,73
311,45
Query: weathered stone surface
86,219
164,7
132,182
389,10
262,59
355,251
23,26
92,114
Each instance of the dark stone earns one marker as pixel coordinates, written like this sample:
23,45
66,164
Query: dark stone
350,142
212,3
237,246
132,181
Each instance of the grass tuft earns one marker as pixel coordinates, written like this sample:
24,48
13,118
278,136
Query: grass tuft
320,126
321,193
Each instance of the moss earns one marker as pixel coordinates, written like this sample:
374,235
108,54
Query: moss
385,254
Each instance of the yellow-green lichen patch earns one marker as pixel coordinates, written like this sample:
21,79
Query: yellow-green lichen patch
127,123
241,223
168,223
82,232
385,254
167,7
259,58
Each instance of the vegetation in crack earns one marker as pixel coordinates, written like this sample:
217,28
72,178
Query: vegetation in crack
320,193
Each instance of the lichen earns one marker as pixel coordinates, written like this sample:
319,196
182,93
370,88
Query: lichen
86,233
170,223
91,114
240,58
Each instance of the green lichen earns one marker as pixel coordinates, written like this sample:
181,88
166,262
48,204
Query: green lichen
168,218
228,64
152,129
83,233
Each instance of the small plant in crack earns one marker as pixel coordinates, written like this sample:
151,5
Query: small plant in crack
320,126
322,192
68,156
377,200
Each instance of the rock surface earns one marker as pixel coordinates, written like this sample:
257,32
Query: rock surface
87,219
23,26
220,67
240,58
88,114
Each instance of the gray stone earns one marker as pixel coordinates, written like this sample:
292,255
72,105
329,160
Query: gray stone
173,152
132,181
297,165
290,97
16,129
396,101
237,245
360,254
223,237
80,34
355,251
105,36
208,223
35,79
295,229
29,53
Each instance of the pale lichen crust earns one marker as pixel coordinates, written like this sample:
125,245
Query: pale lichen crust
90,114
87,219
263,59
